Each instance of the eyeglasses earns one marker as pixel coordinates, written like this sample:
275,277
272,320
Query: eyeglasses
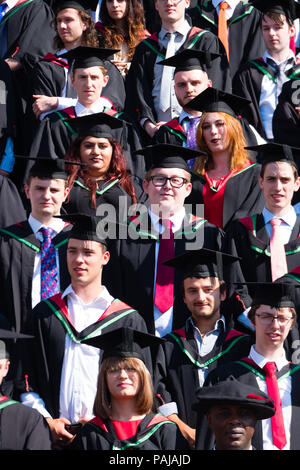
268,319
175,181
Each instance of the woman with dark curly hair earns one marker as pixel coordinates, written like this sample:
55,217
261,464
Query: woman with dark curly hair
122,27
51,88
104,178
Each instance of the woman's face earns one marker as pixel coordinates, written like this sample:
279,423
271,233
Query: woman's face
96,152
123,382
117,9
215,133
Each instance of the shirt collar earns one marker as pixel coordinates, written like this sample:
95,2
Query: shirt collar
182,29
219,326
10,4
262,360
232,3
96,107
176,219
55,224
289,217
104,299
290,55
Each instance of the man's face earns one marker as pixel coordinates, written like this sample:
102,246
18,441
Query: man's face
189,83
276,36
70,26
89,82
232,425
171,11
278,185
85,260
46,196
270,332
203,297
166,199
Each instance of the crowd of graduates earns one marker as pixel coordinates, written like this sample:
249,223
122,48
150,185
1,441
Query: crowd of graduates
149,225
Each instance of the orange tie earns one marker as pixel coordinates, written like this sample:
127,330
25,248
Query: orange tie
222,27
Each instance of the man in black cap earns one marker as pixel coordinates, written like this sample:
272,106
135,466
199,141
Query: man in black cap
51,85
21,428
206,339
25,247
272,314
61,371
261,79
163,228
232,410
267,243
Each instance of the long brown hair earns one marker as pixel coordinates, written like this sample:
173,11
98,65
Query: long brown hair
238,154
117,169
89,35
113,37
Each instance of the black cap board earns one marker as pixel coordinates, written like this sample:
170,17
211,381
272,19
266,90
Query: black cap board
49,168
289,8
8,335
202,263
124,342
213,100
273,152
276,295
85,227
83,56
84,5
234,392
169,156
190,59
96,125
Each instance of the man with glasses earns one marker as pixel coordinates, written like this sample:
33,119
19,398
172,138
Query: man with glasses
159,232
272,314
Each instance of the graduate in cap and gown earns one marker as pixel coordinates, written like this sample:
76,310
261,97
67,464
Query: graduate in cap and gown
226,180
106,177
206,339
51,86
260,79
21,428
267,242
232,410
272,314
125,417
62,371
140,272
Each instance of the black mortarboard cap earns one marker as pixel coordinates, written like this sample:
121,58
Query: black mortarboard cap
202,263
273,152
49,168
234,392
8,335
85,227
276,295
124,342
213,100
190,59
289,8
96,125
84,5
83,56
169,156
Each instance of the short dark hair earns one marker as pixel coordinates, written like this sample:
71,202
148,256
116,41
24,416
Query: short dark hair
278,18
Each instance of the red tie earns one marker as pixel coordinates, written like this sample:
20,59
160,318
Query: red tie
222,27
278,257
278,431
164,288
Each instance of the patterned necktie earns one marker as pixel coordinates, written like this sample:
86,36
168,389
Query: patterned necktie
278,431
280,72
167,74
222,27
49,275
3,7
278,257
191,138
164,287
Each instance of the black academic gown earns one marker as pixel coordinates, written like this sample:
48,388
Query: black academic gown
139,82
18,246
133,262
22,428
245,39
44,361
247,83
12,207
179,363
238,197
286,122
153,433
49,79
246,371
249,239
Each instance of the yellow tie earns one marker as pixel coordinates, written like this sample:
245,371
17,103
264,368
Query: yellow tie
222,27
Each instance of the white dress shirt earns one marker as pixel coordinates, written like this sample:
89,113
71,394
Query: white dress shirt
57,225
80,364
285,389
